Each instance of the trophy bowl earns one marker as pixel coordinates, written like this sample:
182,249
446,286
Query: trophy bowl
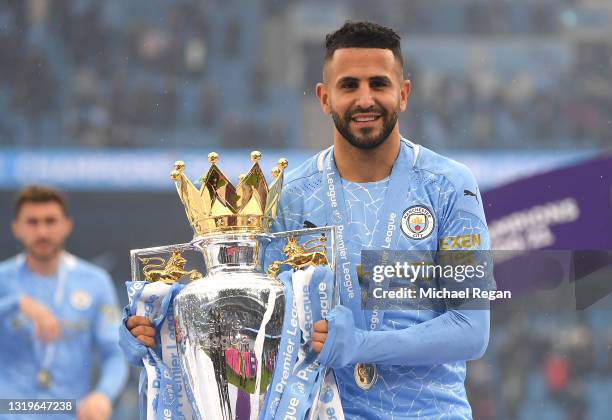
228,328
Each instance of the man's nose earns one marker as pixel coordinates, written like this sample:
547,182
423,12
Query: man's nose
365,99
43,229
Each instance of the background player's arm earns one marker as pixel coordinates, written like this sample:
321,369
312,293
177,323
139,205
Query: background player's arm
46,326
9,301
113,370
12,305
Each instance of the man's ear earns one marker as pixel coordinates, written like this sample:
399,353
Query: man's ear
404,94
15,228
68,227
323,96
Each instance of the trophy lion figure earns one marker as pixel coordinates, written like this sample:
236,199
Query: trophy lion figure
157,269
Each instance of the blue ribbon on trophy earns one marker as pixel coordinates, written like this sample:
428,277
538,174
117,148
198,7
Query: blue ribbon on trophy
235,344
165,394
299,376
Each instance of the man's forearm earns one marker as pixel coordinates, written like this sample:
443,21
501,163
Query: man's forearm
114,373
453,336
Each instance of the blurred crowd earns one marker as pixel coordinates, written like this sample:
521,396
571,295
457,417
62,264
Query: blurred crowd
492,113
88,73
475,17
550,365
102,80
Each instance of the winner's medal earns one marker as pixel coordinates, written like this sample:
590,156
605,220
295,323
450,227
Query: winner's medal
44,378
366,375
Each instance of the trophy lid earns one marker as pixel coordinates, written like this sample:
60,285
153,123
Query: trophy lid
219,207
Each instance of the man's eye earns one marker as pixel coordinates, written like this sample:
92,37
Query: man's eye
349,85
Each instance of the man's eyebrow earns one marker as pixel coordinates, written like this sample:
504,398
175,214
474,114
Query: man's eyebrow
383,79
380,79
347,79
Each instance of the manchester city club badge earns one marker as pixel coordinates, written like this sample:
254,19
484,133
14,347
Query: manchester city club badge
418,222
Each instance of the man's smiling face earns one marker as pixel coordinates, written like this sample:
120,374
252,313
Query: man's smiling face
364,92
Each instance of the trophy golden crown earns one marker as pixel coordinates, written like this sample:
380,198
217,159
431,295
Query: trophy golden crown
219,207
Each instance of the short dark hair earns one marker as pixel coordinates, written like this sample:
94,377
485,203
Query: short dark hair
40,194
364,35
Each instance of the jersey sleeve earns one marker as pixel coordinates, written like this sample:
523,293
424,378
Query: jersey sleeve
456,335
9,302
113,372
463,239
462,213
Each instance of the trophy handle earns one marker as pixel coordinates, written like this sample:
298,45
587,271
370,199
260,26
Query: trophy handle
300,256
305,255
159,269
327,231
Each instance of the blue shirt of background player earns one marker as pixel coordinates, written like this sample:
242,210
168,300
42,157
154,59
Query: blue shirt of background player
89,318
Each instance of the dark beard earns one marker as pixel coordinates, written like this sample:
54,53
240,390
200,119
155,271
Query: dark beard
57,249
364,142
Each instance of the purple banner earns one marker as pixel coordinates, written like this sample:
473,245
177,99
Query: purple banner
570,208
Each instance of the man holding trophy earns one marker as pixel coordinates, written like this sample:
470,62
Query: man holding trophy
381,192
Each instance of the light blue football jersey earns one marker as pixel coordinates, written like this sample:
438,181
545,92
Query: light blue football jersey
442,210
84,301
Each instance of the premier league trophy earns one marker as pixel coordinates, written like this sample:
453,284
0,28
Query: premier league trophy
223,334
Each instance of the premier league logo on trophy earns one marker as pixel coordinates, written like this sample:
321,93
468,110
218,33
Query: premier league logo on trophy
234,342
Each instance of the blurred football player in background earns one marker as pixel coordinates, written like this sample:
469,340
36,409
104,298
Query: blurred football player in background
57,312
